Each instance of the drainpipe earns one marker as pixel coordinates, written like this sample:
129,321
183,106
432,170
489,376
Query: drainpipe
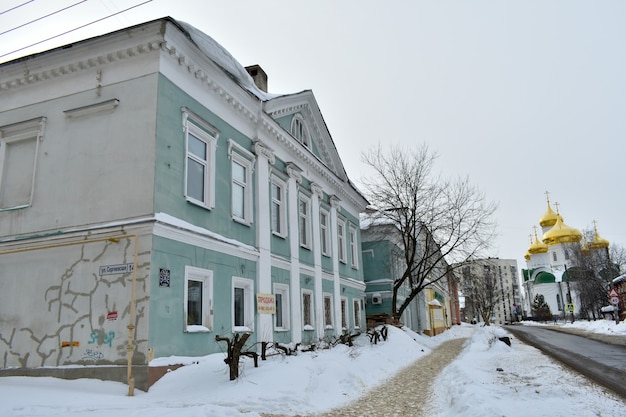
131,325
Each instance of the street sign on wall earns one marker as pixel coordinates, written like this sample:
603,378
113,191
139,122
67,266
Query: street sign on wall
115,269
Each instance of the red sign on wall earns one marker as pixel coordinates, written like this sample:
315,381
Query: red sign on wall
112,315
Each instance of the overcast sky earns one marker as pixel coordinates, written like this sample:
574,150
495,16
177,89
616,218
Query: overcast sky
523,97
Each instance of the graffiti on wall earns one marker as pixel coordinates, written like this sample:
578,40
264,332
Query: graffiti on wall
92,355
102,338
74,297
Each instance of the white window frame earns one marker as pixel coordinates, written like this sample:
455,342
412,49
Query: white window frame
345,320
236,158
329,317
311,319
283,290
356,311
325,232
29,130
205,276
341,240
300,130
248,308
281,205
206,133
304,221
354,253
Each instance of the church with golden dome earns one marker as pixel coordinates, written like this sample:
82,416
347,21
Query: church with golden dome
551,262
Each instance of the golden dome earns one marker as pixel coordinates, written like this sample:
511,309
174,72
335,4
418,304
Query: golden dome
527,256
537,246
561,233
597,242
548,219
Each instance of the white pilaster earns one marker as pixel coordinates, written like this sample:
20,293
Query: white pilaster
334,206
265,157
317,259
294,248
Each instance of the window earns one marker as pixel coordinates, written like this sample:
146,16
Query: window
554,256
341,240
19,147
241,175
198,299
239,190
278,209
328,311
344,313
300,131
307,309
243,304
353,248
241,182
304,225
324,235
281,292
200,143
357,313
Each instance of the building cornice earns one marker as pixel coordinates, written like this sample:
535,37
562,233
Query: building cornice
195,66
29,77
298,151
352,283
317,131
197,71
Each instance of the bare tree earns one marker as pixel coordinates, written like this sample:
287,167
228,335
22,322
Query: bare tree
481,284
439,221
591,275
481,291
617,253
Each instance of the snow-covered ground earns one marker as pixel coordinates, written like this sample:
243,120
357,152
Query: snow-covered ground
528,383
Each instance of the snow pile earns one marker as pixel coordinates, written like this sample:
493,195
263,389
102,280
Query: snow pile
596,326
218,54
314,382
295,384
489,378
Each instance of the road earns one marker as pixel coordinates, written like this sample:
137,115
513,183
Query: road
602,362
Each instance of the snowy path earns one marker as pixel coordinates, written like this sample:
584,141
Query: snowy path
407,393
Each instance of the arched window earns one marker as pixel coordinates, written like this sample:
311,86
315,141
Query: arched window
300,131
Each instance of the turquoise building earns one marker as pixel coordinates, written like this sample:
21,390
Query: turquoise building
431,311
154,196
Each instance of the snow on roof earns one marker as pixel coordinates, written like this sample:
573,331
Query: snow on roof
181,224
218,54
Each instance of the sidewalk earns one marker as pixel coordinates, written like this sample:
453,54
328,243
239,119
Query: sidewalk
406,394
606,338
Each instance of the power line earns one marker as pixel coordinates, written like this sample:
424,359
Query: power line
76,28
16,7
43,17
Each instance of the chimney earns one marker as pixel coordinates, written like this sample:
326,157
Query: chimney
259,76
